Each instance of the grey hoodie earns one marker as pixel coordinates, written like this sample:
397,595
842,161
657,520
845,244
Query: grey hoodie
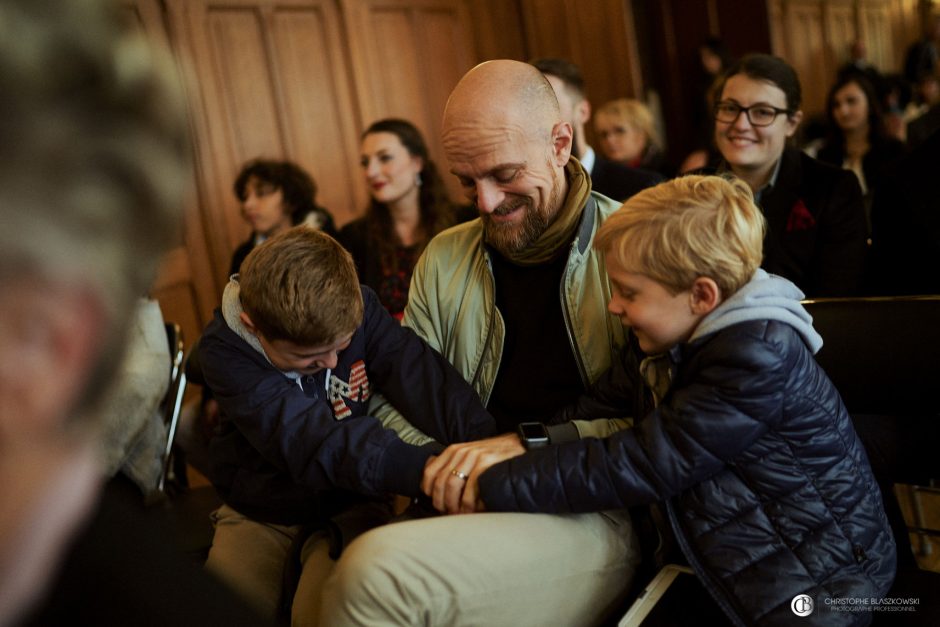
764,297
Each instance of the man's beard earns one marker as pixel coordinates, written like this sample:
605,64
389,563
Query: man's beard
512,238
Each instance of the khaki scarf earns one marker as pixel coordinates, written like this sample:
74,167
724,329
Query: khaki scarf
561,230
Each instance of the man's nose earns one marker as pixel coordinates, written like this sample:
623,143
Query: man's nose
488,197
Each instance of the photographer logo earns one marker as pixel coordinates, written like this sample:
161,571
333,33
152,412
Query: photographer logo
802,605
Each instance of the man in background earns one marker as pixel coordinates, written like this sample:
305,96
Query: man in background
614,180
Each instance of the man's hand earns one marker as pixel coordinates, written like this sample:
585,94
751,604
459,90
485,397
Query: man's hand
450,479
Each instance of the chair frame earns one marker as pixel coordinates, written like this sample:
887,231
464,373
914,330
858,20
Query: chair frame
173,402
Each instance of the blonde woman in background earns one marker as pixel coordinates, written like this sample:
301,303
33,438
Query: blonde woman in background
627,133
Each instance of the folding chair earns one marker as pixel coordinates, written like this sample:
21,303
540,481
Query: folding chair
184,508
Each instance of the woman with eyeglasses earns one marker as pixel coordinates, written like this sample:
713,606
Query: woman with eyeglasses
816,231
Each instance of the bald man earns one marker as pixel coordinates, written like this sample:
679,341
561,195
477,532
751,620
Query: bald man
517,302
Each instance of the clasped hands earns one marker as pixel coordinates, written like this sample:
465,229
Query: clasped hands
450,479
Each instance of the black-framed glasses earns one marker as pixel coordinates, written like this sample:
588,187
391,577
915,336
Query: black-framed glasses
757,115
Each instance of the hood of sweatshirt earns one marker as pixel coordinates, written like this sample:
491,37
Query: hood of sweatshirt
231,312
764,297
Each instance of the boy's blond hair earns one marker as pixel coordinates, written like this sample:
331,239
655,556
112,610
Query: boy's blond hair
301,286
686,228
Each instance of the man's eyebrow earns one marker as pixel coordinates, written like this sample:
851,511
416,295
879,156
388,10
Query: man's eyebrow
496,168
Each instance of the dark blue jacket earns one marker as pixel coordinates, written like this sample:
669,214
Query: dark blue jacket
766,485
289,452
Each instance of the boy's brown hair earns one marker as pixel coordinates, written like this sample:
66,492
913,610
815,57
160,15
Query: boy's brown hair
686,228
301,286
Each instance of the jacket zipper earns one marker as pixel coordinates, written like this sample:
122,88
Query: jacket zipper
489,333
567,314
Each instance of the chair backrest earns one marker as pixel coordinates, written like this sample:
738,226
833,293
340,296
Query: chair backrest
882,354
173,402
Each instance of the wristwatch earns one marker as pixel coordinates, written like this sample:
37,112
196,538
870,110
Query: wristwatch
533,435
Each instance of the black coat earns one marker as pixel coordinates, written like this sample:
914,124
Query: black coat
766,485
816,229
822,252
876,164
906,225
619,182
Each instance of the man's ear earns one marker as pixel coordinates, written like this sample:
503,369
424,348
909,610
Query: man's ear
706,295
583,111
561,143
50,338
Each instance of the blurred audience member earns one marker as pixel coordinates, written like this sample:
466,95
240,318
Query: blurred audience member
923,127
628,134
274,196
857,139
409,206
924,54
92,136
906,225
715,59
816,234
614,180
859,65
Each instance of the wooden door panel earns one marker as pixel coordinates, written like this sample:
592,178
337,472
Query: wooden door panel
184,286
808,56
407,56
271,81
316,106
876,28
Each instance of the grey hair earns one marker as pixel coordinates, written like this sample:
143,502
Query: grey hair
94,154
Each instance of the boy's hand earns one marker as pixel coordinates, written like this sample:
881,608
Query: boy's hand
450,479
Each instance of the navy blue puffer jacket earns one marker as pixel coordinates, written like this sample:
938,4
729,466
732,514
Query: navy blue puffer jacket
766,484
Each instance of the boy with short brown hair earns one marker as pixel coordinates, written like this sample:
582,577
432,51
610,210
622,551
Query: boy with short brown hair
293,357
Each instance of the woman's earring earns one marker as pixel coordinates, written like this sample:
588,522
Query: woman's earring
417,179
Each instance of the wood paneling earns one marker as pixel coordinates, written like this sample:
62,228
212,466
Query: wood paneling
815,35
498,30
598,36
271,82
406,58
807,53
184,286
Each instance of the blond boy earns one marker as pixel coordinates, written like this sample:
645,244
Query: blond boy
743,444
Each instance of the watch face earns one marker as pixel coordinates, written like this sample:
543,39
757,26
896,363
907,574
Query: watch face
533,431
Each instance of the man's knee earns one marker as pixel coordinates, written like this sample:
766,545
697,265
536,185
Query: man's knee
372,578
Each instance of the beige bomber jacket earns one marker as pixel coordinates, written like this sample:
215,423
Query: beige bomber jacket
452,305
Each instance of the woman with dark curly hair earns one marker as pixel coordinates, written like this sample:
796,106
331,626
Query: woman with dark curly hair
274,196
408,207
